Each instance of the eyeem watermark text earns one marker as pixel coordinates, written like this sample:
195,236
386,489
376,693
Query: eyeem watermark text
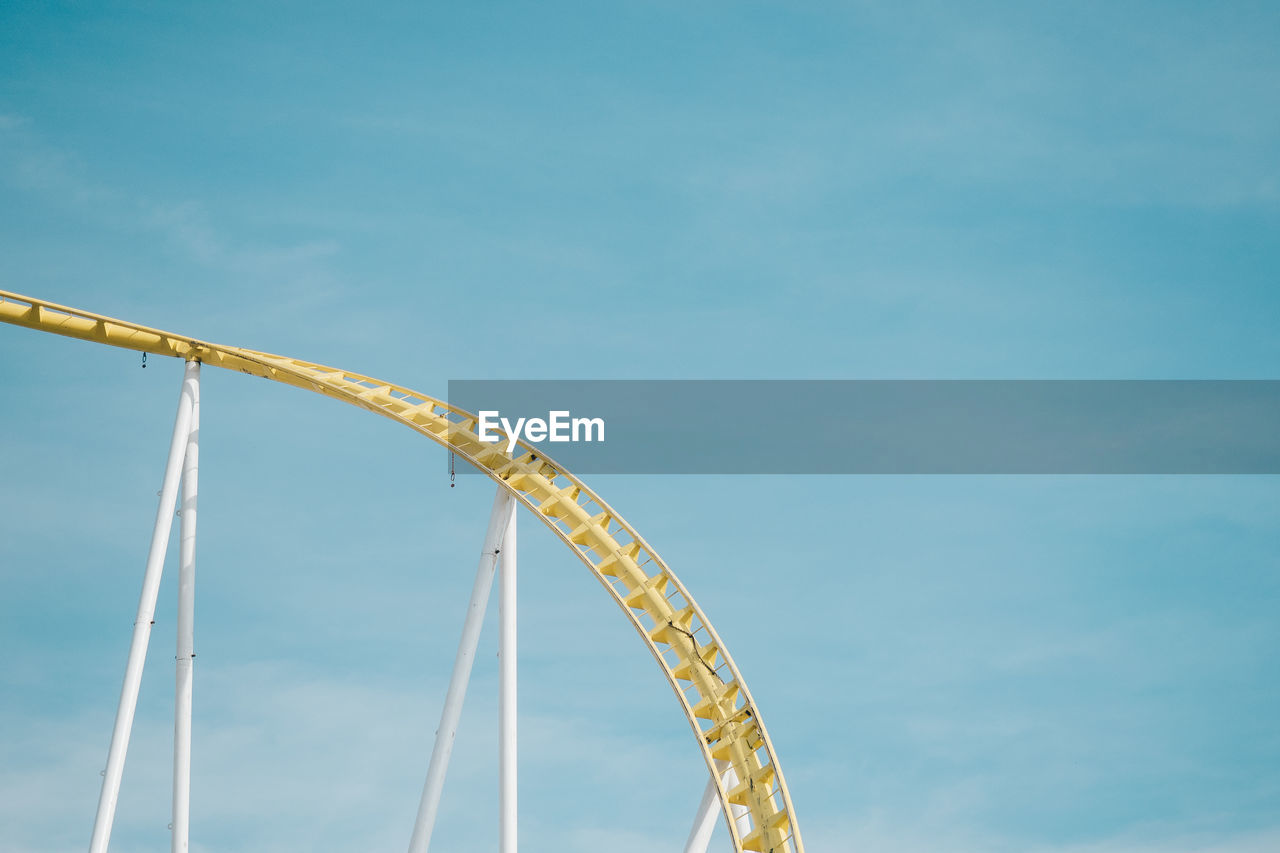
559,425
893,427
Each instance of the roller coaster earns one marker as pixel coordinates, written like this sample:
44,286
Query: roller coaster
746,784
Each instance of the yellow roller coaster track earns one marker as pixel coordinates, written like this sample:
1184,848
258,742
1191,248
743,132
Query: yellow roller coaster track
704,677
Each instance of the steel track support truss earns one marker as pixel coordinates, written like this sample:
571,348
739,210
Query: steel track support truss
498,553
708,686
181,466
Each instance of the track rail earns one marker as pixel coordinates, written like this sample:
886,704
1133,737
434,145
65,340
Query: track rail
705,679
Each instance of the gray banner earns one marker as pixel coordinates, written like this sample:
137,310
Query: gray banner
889,426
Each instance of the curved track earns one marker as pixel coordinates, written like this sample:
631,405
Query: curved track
705,679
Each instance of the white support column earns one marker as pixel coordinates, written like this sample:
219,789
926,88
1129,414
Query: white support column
503,506
142,623
186,631
704,823
507,803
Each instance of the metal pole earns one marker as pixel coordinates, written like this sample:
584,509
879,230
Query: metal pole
507,692
186,630
503,504
704,823
142,623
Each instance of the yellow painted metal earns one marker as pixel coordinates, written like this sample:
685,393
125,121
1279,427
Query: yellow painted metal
704,677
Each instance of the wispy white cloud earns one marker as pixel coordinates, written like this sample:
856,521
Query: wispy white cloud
36,167
293,760
189,227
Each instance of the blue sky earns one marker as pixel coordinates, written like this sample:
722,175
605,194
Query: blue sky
641,190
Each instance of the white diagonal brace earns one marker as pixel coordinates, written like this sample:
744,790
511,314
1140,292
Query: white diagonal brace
503,506
128,704
704,823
